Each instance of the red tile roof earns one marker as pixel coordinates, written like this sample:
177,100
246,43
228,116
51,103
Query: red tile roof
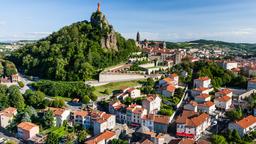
170,88
192,119
224,91
203,78
27,126
157,118
223,99
203,96
206,104
80,113
8,112
246,122
101,137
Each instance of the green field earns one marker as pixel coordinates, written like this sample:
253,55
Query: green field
60,131
114,86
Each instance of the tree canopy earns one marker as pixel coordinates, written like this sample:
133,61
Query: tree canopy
73,53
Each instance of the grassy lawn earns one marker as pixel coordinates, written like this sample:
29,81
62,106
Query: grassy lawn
60,131
114,86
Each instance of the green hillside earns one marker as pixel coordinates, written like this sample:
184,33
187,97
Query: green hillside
75,52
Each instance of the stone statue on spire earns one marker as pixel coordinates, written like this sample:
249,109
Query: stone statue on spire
98,9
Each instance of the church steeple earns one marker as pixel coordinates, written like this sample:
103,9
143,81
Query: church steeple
98,9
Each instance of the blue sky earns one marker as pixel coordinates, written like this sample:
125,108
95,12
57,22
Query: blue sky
170,20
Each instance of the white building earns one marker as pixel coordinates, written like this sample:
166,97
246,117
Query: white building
134,113
102,122
229,65
202,82
223,102
175,79
168,91
207,107
244,126
60,115
191,106
152,103
224,92
201,90
6,116
191,124
128,92
103,138
203,98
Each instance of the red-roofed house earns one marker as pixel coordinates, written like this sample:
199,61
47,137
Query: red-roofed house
60,115
134,113
27,130
156,123
6,116
224,92
244,126
152,103
201,90
191,124
207,107
168,91
223,102
128,92
103,138
202,82
191,106
203,98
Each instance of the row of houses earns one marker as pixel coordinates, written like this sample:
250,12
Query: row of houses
145,114
97,120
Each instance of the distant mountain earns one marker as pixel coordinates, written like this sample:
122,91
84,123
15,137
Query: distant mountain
75,52
213,44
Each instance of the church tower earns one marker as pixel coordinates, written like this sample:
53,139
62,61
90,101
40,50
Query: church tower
138,37
98,9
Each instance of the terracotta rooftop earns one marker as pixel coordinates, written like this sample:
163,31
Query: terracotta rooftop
193,103
27,126
182,141
173,75
246,122
170,88
203,78
203,96
206,104
151,97
57,111
191,118
252,80
157,118
80,113
101,137
223,99
168,80
9,112
224,91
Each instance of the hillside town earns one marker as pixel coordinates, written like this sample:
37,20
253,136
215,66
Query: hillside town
86,84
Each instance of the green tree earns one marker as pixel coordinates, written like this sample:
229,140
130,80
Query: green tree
15,98
235,136
52,138
218,139
81,136
85,99
48,119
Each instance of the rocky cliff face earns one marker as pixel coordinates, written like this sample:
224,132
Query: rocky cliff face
108,39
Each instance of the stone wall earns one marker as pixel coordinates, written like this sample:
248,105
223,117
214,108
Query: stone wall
116,77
